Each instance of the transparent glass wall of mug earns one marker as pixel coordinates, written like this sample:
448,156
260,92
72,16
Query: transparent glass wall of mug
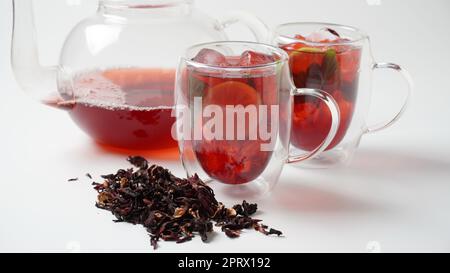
234,103
338,60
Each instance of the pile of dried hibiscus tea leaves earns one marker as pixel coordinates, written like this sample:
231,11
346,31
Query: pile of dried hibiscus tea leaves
171,208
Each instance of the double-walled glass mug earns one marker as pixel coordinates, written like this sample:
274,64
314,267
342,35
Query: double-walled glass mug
338,60
234,103
116,70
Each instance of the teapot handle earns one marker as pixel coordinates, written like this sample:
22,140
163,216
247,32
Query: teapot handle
259,29
39,81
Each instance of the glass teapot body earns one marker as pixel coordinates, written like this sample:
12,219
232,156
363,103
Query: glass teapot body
121,69
123,34
116,72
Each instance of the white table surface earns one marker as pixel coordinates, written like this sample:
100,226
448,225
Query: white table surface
395,196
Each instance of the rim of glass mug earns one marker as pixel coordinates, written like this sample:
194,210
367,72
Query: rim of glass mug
360,35
191,51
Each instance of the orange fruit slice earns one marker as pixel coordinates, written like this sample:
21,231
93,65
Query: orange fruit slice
232,93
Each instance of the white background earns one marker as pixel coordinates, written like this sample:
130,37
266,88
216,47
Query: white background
393,197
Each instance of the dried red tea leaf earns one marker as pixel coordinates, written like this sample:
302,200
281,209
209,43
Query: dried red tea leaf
332,31
275,232
232,233
138,162
179,212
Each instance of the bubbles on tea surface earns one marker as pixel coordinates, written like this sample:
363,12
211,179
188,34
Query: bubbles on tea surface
93,89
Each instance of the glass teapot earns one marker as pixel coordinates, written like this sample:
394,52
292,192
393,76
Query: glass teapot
116,71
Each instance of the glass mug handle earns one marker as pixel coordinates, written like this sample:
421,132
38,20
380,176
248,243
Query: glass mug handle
335,121
259,29
409,81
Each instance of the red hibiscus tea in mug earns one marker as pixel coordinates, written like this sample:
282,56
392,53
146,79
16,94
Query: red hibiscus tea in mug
233,161
332,68
125,108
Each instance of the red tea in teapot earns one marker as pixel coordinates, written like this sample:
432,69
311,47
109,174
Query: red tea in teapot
332,68
125,108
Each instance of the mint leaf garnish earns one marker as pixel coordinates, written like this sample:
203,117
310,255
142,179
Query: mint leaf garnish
329,65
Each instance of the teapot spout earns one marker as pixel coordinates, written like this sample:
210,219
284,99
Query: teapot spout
32,77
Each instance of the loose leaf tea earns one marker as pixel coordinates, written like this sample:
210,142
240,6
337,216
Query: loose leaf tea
171,208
